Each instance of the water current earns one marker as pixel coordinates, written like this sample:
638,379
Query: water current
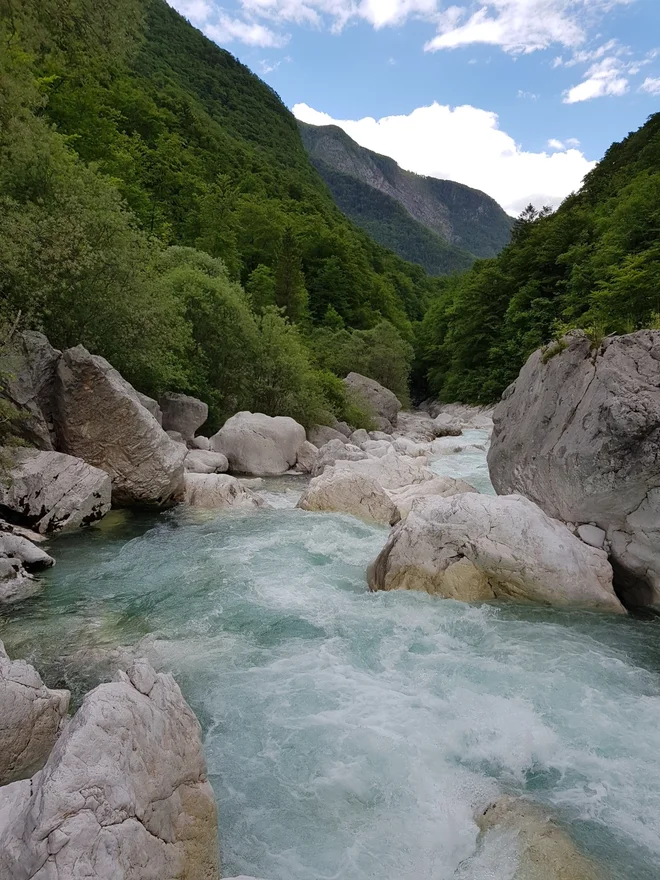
351,735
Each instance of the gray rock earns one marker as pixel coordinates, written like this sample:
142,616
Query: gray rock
592,535
343,428
29,365
438,487
390,471
151,406
383,425
307,455
480,547
336,450
100,419
123,794
219,492
578,432
377,448
347,492
319,435
183,413
31,717
199,462
258,444
359,437
416,426
445,425
378,400
380,435
16,583
52,492
177,437
200,442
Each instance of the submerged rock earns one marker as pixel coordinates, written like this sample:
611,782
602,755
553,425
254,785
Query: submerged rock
578,432
183,413
100,419
51,492
379,401
545,851
123,794
478,547
31,717
261,445
347,492
219,491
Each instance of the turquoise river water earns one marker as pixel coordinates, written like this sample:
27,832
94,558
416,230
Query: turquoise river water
352,735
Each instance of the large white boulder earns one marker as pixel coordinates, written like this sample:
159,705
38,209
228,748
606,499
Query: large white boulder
307,456
544,850
416,425
124,793
198,461
51,491
334,451
183,413
99,418
31,717
348,492
319,435
379,401
390,471
260,445
578,432
219,492
475,547
440,487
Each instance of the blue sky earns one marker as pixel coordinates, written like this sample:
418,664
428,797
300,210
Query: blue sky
515,97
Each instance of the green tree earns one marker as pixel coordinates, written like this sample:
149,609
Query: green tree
290,292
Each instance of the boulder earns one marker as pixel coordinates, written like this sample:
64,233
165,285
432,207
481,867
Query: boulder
416,426
220,491
319,435
177,437
445,425
183,413
379,401
100,419
151,406
406,446
381,435
544,850
307,455
475,547
592,535
200,442
343,428
347,492
377,448
28,367
359,437
391,471
258,444
199,462
383,425
51,491
441,487
31,717
123,794
467,416
334,451
578,432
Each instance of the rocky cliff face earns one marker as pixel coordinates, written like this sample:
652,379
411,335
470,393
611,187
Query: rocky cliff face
465,219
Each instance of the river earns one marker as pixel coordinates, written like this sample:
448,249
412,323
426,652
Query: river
351,735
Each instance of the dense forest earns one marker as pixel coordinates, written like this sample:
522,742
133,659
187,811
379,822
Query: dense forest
157,205
593,264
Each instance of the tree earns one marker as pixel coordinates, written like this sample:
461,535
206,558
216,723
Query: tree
290,292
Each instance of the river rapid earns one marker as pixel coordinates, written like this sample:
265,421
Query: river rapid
351,735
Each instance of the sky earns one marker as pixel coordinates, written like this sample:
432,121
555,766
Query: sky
518,98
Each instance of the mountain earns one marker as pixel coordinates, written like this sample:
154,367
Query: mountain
439,224
593,264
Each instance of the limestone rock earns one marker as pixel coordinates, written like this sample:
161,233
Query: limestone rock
28,365
100,419
123,794
416,426
183,413
53,492
343,428
474,547
376,448
381,435
334,451
378,400
200,442
359,437
545,851
578,432
199,462
383,425
348,492
445,425
319,435
592,535
220,491
31,716
441,487
177,437
258,444
391,471
307,455
406,446
151,406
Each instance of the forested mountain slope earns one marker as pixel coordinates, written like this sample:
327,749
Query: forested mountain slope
594,264
399,208
158,206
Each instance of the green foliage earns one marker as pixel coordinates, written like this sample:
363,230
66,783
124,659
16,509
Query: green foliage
594,263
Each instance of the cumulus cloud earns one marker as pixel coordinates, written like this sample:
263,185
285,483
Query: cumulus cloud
651,85
606,77
466,144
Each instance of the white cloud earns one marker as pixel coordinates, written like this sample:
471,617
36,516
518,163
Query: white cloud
224,29
465,144
554,144
606,77
651,85
532,96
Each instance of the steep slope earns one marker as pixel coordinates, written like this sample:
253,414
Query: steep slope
464,218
